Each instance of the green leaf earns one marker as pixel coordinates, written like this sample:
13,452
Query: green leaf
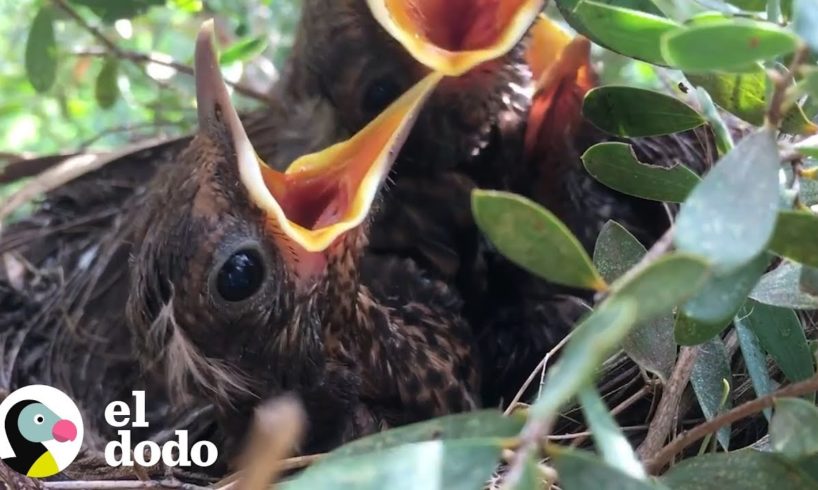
616,166
533,238
484,424
630,32
666,283
243,50
805,22
756,362
609,438
710,370
631,111
794,428
780,334
531,478
112,10
457,465
107,89
41,51
809,146
650,344
795,237
781,287
737,470
581,470
730,216
728,46
592,341
808,282
718,300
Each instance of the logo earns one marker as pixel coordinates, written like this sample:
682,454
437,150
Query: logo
41,431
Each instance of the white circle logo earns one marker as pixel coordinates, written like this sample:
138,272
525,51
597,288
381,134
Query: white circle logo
40,431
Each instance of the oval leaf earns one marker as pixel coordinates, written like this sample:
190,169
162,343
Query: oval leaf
710,371
41,51
629,32
107,89
795,237
781,287
474,425
581,470
631,111
729,46
808,282
616,166
742,94
243,50
718,300
650,344
730,216
534,238
737,470
592,341
756,361
780,334
794,428
433,465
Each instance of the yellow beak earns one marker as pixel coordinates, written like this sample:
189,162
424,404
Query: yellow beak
454,36
322,195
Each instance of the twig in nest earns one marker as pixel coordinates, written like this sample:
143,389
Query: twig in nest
277,430
662,422
121,485
778,101
643,392
678,444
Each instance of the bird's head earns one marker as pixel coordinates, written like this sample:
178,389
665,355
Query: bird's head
362,54
37,423
238,264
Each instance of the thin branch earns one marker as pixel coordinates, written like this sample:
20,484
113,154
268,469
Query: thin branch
662,422
644,391
781,83
678,444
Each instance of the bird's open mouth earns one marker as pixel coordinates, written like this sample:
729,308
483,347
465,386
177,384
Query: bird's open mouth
321,195
454,36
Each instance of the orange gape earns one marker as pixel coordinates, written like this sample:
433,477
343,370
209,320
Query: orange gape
562,69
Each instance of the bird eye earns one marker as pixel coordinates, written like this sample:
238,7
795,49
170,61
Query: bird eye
379,94
240,277
39,419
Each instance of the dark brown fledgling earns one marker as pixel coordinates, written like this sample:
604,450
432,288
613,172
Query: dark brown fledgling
507,117
248,282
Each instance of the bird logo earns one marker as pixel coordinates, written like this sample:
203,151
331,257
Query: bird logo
41,431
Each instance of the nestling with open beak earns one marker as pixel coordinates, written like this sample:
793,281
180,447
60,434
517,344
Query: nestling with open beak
251,282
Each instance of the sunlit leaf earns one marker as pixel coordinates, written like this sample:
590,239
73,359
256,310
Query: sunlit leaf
474,425
630,32
730,45
434,465
592,341
755,359
742,94
616,166
794,428
730,216
795,237
631,111
581,470
717,301
41,51
781,335
650,344
609,438
737,470
710,370
243,50
110,11
781,287
106,89
534,238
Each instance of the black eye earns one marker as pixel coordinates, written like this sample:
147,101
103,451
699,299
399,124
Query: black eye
379,94
39,419
241,276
